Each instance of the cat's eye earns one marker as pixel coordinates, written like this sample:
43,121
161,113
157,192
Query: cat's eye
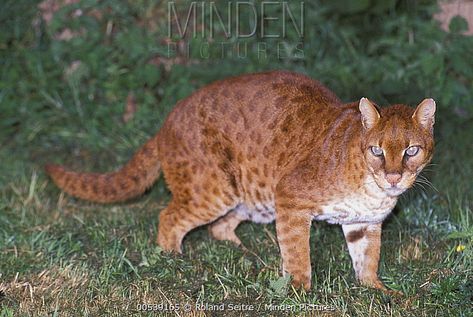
412,150
376,150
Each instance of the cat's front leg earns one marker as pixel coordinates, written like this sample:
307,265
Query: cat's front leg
364,243
293,233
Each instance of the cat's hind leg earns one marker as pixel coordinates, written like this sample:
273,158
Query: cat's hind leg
180,217
199,198
177,219
204,184
224,228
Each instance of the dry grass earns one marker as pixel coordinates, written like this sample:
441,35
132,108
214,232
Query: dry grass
53,289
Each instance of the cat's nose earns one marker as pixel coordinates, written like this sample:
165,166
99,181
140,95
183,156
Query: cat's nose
393,178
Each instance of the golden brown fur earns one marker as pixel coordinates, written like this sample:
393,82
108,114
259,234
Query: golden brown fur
275,146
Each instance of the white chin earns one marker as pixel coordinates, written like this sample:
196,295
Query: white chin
394,191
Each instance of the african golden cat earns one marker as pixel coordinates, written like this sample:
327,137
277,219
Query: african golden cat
275,146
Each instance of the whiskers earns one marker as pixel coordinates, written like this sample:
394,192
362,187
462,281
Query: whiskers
424,183
420,182
429,167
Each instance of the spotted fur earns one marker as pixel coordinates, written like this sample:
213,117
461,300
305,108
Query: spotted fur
274,146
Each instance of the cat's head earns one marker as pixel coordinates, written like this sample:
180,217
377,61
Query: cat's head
397,142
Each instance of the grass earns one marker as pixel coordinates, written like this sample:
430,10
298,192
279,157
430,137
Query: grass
60,256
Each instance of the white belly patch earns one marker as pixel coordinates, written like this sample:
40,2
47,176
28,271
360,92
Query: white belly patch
259,213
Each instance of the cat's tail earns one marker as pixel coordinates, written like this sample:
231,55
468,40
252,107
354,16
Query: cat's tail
128,182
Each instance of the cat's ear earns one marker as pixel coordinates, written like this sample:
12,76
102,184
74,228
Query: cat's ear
425,113
369,113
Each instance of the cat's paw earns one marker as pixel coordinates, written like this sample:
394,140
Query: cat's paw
169,245
301,283
393,292
377,284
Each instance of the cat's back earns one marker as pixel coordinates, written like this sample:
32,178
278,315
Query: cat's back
249,93
252,107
